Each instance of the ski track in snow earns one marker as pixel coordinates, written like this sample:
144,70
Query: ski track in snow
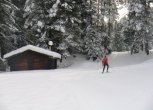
81,87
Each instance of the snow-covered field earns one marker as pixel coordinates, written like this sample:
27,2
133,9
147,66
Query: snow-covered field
128,86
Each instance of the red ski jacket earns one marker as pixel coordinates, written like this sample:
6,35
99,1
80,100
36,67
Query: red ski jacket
105,61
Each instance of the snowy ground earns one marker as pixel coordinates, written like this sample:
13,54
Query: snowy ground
128,86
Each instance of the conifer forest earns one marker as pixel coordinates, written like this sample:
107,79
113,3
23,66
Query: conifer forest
93,28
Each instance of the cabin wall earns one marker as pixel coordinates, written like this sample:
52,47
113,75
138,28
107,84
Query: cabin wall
30,60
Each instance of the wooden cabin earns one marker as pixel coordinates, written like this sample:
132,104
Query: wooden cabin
32,58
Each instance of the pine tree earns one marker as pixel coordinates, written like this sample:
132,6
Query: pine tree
60,21
138,32
76,21
40,21
7,25
93,43
118,43
98,39
20,39
109,14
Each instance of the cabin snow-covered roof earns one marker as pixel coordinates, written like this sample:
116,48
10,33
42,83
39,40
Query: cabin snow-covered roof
35,49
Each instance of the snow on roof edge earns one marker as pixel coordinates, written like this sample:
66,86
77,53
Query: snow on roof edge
33,48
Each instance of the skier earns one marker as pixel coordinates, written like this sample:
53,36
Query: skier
105,63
